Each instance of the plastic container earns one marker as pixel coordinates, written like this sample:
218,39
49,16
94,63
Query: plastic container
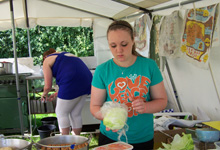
49,120
207,134
217,145
45,130
115,146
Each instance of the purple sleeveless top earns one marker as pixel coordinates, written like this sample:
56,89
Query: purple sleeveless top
72,76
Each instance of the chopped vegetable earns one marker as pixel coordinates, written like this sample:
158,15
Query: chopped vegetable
180,143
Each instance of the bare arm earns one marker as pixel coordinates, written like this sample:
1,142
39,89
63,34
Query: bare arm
97,99
158,100
48,76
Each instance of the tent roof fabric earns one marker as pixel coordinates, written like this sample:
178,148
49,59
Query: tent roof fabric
72,13
68,12
113,9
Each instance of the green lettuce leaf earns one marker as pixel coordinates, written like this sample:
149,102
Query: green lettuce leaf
180,143
115,118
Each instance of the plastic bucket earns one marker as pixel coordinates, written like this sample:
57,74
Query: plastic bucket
49,120
45,130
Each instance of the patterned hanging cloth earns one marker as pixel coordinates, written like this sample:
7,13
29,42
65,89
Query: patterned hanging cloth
154,39
170,34
142,27
216,34
197,36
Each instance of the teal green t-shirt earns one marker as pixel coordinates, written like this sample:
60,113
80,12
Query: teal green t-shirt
120,83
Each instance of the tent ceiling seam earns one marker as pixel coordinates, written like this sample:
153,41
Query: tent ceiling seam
78,9
2,1
134,6
162,8
174,5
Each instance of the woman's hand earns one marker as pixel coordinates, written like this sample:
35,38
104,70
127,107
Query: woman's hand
139,105
108,129
44,98
52,97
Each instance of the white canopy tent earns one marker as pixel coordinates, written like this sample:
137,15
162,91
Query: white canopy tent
197,88
66,12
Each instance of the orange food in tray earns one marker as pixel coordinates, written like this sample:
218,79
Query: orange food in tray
115,146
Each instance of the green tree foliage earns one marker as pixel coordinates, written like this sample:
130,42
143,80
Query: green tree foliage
76,40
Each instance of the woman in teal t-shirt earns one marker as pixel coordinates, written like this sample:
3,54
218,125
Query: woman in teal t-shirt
130,79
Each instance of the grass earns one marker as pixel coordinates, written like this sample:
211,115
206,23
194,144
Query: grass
35,137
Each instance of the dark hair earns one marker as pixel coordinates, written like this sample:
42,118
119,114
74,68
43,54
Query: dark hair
124,25
48,52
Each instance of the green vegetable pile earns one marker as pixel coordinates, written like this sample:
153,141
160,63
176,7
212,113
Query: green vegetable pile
180,143
115,118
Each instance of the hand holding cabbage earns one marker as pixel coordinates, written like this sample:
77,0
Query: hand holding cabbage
115,115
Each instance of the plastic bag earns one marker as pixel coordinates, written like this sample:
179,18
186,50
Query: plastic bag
115,115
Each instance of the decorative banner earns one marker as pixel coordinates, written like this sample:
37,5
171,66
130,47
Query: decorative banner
171,30
154,39
216,34
141,32
197,37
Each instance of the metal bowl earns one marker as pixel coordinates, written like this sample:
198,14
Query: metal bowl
64,139
16,144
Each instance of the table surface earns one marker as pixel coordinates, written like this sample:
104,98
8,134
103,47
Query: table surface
35,76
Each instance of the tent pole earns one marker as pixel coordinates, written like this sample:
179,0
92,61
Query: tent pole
27,25
16,67
172,83
214,82
29,43
158,9
135,6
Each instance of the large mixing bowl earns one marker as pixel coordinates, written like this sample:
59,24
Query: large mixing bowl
15,143
80,142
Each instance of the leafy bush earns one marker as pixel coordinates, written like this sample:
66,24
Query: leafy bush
76,40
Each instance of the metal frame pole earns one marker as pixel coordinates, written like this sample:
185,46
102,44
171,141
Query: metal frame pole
27,25
16,68
173,85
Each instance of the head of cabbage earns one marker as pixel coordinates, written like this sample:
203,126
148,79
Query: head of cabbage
115,118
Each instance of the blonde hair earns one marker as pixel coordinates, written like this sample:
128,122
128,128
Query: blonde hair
123,25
